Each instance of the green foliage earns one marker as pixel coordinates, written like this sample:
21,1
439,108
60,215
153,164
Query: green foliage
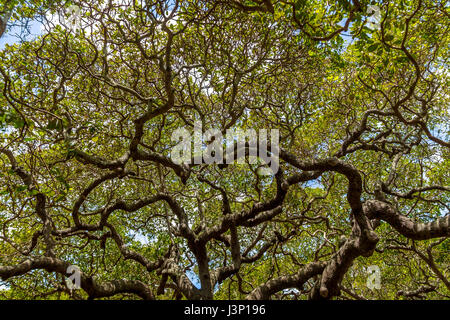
71,103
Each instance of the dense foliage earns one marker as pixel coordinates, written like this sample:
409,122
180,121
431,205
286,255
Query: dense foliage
87,114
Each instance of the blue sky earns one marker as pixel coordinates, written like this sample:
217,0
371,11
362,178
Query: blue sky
11,34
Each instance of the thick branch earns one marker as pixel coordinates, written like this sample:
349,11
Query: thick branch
264,291
414,230
88,284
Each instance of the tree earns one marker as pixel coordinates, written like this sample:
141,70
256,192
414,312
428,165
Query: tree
5,14
362,111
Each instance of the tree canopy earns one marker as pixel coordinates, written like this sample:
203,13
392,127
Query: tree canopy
87,112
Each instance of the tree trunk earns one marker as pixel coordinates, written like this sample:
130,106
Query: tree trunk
4,18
